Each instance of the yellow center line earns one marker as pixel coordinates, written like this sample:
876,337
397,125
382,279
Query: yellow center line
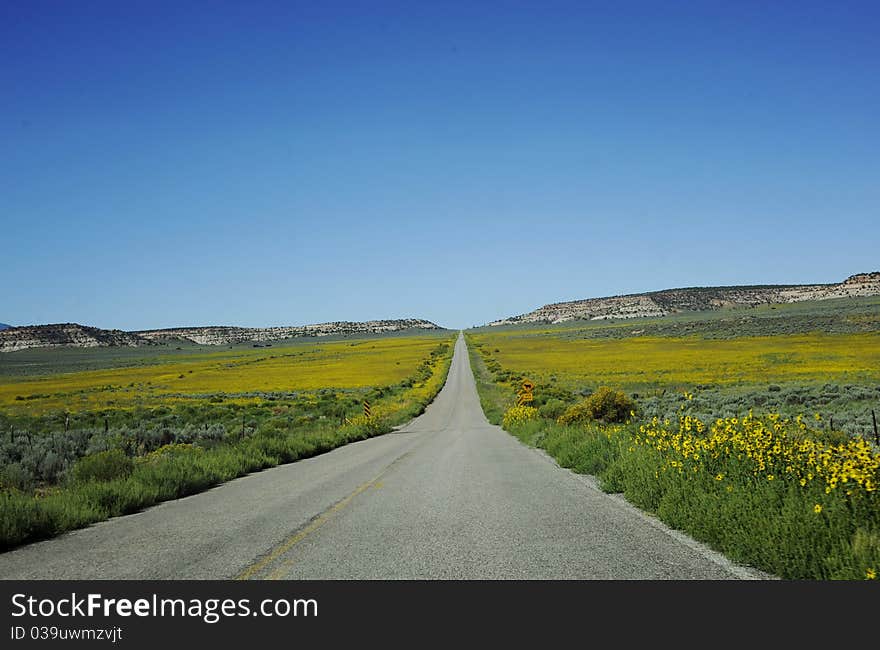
248,572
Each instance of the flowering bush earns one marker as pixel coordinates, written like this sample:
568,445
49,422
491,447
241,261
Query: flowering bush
769,448
768,490
606,404
519,415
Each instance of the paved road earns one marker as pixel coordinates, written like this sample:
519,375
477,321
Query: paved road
447,497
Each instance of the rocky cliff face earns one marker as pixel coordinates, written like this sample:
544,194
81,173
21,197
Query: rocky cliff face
229,335
81,336
65,335
671,301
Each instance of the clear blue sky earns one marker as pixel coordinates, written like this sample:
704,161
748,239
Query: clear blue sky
259,163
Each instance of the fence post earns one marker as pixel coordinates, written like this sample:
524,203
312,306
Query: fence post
876,435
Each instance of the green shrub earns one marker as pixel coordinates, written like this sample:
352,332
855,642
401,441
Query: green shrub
606,405
586,450
15,476
546,393
103,466
552,409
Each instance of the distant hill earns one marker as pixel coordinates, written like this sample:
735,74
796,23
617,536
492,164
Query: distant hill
65,335
672,301
4,326
82,336
226,335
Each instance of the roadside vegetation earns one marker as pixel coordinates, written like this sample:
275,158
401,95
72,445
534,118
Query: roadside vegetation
739,452
123,447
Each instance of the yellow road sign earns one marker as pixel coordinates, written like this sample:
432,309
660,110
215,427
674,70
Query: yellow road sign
525,393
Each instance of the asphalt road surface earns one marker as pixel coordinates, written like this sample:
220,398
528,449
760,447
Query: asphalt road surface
449,496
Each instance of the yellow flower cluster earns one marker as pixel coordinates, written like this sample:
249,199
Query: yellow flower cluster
363,420
519,415
770,447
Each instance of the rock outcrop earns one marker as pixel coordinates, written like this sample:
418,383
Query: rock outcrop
218,335
65,335
672,301
82,336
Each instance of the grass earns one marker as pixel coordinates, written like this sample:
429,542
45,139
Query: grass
54,479
494,399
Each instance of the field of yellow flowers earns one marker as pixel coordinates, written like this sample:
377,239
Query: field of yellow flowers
240,374
681,362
